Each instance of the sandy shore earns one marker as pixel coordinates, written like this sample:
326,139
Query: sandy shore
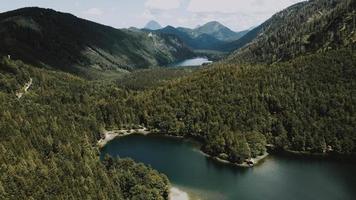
110,135
258,159
177,194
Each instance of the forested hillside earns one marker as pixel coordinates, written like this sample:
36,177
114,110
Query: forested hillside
307,27
244,40
306,105
48,139
300,96
150,78
62,41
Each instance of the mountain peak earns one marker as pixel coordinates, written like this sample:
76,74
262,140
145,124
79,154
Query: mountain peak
153,25
214,23
217,30
213,26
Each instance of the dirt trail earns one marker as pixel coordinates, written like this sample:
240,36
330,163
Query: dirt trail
24,89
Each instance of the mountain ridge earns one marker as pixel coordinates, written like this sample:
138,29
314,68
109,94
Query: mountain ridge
302,102
32,34
219,31
210,36
302,28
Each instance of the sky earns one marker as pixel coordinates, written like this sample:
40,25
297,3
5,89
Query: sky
236,14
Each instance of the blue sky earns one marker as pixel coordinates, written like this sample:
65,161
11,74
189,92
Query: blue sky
236,14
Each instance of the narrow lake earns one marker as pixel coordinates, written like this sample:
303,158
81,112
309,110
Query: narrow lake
278,178
191,62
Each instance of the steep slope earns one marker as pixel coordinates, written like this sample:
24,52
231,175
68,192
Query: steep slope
242,41
307,27
153,25
48,140
48,38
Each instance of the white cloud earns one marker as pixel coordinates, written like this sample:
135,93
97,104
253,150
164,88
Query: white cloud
237,14
163,4
147,15
93,12
239,6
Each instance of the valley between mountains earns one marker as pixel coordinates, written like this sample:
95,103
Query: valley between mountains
286,88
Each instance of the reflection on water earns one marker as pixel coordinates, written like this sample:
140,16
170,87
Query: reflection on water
276,178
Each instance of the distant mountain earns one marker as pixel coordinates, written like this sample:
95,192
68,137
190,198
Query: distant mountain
44,37
210,36
306,27
153,25
291,85
203,41
218,31
244,40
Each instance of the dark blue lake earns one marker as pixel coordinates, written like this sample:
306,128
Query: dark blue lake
277,178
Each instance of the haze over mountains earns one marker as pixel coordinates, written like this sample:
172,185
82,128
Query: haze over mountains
153,25
210,36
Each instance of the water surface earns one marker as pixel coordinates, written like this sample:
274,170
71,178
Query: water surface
191,62
278,178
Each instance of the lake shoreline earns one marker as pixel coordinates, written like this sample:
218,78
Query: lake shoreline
203,178
117,133
113,134
191,62
108,136
178,194
255,161
347,158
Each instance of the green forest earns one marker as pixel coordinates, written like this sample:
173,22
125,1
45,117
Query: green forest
48,140
49,135
306,105
304,28
293,89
